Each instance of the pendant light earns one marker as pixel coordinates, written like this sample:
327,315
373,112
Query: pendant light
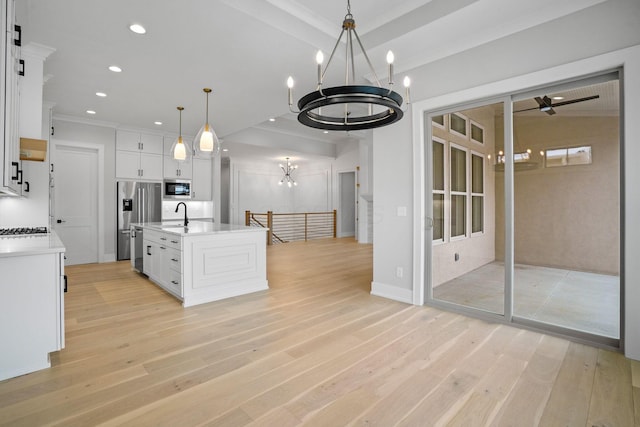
206,143
180,149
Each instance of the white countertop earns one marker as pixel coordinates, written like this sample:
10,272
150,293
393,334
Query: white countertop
196,227
30,244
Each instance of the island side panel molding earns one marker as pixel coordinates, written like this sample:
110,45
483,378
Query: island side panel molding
219,262
223,265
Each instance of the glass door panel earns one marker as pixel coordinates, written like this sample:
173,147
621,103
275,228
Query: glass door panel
467,206
567,209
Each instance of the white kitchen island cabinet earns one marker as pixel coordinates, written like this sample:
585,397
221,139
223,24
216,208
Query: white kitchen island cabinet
32,303
205,261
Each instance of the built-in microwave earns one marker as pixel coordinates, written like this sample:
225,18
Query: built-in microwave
177,189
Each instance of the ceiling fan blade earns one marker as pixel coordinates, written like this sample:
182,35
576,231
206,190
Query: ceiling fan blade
550,111
573,101
527,109
539,101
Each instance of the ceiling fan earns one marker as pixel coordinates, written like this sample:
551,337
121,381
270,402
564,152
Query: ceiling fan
546,105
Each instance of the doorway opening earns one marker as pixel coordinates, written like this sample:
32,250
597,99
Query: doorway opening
347,226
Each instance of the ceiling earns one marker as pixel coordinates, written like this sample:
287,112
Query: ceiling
244,50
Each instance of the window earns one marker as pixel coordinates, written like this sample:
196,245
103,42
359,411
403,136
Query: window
458,124
568,156
439,121
438,190
477,193
477,132
458,181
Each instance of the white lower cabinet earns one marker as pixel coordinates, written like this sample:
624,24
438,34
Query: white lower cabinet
31,311
163,261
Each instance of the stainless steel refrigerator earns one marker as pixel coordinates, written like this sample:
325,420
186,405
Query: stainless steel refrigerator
137,202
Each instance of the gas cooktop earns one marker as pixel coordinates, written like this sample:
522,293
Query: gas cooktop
22,231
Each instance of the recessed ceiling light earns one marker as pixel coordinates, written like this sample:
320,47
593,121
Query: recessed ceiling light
157,123
115,69
272,119
558,98
326,131
101,94
225,149
137,28
90,112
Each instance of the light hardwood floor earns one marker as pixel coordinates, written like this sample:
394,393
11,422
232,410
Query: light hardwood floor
315,349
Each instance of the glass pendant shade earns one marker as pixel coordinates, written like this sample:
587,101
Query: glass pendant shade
180,149
206,143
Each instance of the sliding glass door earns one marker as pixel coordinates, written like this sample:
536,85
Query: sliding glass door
524,200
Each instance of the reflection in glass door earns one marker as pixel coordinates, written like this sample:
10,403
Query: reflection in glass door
467,264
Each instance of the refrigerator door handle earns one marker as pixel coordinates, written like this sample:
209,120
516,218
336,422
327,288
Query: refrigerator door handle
144,205
139,203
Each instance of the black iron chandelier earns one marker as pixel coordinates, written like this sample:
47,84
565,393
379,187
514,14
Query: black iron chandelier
352,106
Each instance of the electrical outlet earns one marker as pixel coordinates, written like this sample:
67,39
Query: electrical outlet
399,272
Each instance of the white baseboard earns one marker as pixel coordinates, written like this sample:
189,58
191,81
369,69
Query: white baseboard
392,292
109,258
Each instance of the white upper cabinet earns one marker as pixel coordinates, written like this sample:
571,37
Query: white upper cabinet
11,67
202,179
174,169
135,141
138,156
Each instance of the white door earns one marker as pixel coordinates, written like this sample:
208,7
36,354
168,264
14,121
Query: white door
75,220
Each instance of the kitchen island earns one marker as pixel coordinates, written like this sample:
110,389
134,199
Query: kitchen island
203,261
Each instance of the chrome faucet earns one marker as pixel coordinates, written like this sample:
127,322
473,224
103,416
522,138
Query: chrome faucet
186,220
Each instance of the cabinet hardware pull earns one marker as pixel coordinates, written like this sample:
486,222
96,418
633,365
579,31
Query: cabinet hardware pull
65,283
21,70
174,282
174,241
20,177
18,41
16,165
162,247
163,238
26,190
148,249
174,260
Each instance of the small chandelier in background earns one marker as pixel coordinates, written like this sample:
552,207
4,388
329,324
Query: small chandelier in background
288,170
180,149
350,107
206,143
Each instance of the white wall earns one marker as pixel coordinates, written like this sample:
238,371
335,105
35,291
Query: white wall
254,187
513,63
